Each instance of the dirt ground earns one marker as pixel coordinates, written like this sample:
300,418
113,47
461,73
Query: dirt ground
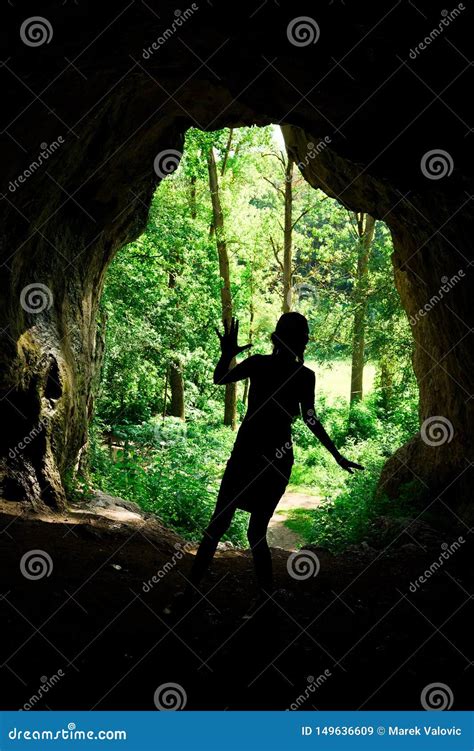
85,628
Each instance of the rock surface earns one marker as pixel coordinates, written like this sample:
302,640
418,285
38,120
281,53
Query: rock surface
110,102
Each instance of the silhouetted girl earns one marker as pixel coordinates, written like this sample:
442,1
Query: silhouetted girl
259,468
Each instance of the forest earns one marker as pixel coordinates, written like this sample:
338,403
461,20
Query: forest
234,230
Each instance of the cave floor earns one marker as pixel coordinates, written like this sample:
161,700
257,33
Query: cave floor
94,622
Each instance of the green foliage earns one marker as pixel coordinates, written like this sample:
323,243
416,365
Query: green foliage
349,503
170,469
161,303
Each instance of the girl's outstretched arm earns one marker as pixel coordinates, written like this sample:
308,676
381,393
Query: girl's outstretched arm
309,416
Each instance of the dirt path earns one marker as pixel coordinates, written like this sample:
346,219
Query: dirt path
279,536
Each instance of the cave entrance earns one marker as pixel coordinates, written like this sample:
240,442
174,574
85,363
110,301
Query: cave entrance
235,229
91,100
388,142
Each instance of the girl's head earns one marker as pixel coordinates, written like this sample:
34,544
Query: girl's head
291,335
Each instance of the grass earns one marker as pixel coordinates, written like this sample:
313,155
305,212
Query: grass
334,379
301,521
304,489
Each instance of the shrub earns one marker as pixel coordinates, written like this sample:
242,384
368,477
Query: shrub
171,469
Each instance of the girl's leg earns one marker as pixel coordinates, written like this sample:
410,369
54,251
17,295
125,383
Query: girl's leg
218,526
262,558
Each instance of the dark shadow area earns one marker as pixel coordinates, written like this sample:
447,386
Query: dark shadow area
97,102
362,634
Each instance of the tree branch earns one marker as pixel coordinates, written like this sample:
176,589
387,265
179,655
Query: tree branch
275,253
226,153
276,187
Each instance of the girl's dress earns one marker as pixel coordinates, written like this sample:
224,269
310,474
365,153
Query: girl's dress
260,464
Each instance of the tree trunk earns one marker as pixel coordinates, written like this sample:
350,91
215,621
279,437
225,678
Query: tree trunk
230,412
250,339
365,226
176,408
227,152
386,382
193,197
287,238
175,374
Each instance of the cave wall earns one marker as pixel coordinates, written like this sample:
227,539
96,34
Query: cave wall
103,91
432,264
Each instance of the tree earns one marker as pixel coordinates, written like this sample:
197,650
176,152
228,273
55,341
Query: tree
285,265
365,232
175,373
230,403
288,237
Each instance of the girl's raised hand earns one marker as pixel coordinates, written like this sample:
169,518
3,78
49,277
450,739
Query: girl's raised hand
229,339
